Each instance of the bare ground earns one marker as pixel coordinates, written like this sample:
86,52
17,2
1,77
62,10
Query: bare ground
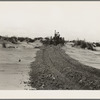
84,56
55,70
14,75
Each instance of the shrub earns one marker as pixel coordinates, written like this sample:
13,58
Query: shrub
13,39
97,44
84,44
89,46
21,39
4,45
55,40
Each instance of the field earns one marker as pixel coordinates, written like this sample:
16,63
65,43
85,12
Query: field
33,66
14,75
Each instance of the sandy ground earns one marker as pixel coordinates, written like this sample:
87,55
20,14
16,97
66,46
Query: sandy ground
14,75
87,57
53,69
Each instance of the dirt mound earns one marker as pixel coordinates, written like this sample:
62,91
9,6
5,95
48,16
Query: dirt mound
53,70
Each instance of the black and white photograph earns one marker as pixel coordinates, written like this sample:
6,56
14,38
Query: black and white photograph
49,45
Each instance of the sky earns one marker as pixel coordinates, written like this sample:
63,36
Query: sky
72,19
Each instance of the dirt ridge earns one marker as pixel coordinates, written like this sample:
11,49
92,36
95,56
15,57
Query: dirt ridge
55,70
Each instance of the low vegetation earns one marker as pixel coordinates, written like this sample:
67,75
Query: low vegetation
4,45
55,40
15,39
97,44
83,44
